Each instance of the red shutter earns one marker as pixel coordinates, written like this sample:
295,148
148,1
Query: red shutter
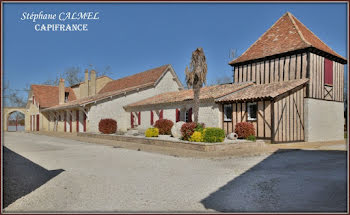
190,115
37,122
131,120
84,122
70,122
161,114
177,115
328,71
139,118
151,117
65,121
31,121
77,119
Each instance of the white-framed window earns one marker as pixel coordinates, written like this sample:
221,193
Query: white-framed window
227,112
188,115
252,110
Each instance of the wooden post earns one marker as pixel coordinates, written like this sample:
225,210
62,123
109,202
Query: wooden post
272,121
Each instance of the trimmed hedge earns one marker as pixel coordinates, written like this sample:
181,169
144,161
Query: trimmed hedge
213,135
152,132
244,129
107,126
164,126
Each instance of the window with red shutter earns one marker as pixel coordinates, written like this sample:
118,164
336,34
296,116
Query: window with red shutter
328,72
161,114
152,117
177,115
132,120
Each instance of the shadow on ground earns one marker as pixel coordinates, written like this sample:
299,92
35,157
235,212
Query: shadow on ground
21,176
287,181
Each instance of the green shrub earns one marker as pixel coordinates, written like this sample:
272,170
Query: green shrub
196,137
251,138
152,132
244,129
189,128
213,135
164,126
200,127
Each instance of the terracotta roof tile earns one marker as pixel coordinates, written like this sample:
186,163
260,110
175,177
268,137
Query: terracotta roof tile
210,92
263,91
286,34
146,77
118,87
47,95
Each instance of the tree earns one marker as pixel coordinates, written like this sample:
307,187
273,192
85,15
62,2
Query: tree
222,80
12,97
196,76
232,55
71,75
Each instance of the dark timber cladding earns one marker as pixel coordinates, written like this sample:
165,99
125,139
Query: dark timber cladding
280,119
317,87
289,117
282,68
262,124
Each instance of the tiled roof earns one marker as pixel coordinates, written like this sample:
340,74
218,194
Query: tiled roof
146,77
285,35
119,87
47,95
263,91
210,92
95,98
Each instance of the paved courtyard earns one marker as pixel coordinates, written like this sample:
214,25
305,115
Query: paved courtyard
43,173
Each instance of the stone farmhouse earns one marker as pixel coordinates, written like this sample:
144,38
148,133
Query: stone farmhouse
288,83
79,108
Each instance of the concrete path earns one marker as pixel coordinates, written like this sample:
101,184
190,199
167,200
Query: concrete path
49,174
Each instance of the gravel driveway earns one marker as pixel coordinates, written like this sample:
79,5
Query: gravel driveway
44,173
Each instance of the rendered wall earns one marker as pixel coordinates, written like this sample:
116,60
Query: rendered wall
114,108
208,113
324,120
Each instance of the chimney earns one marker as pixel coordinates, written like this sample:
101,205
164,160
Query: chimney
84,88
61,91
92,83
86,76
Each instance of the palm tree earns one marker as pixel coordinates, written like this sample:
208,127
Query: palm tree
196,76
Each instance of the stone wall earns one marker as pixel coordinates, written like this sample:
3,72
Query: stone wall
324,120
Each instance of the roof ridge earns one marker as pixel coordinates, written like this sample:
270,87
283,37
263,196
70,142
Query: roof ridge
47,85
260,37
291,17
314,36
141,72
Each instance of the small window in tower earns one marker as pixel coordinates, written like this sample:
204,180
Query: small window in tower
328,72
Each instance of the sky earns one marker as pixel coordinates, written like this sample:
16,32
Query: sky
133,37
